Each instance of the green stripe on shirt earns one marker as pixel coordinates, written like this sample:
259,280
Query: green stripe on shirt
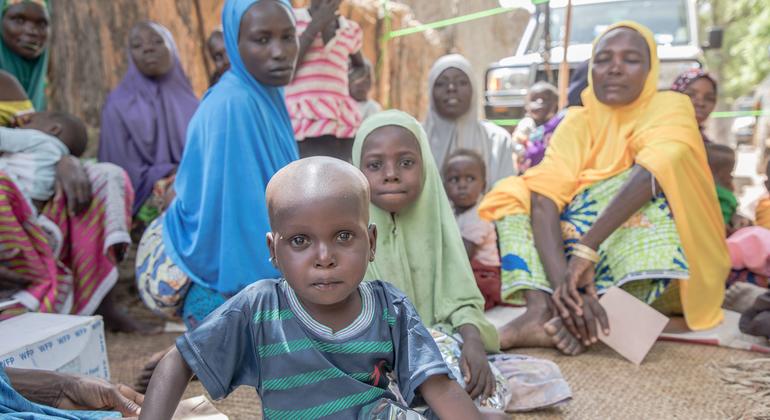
354,347
273,315
327,408
387,317
309,378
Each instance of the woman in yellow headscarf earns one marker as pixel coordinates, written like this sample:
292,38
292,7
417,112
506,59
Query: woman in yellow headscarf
624,197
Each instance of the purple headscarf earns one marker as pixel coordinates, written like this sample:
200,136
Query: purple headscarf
144,122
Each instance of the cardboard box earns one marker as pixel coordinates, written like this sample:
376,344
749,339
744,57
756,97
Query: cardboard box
62,343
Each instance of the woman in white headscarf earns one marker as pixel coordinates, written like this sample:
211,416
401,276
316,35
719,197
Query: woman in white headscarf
453,121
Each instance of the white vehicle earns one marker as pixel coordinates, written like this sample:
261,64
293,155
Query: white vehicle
674,23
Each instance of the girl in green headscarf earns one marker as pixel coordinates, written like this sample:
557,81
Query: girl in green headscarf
419,248
23,45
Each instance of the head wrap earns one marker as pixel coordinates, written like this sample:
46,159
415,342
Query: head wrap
144,122
420,249
467,132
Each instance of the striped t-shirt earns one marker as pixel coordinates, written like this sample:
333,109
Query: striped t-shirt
318,98
263,338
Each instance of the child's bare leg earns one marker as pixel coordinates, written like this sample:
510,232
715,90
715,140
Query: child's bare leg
740,296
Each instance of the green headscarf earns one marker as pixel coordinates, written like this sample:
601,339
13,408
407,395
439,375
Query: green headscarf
420,250
30,73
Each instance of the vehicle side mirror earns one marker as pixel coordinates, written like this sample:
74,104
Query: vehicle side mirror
715,37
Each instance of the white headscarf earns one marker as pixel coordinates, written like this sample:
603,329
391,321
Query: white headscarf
467,132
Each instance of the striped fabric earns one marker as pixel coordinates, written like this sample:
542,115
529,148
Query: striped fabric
79,272
264,338
318,99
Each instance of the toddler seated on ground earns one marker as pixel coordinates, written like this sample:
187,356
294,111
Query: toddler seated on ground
464,182
318,342
360,83
29,155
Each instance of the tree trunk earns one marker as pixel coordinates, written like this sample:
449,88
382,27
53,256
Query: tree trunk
89,57
88,46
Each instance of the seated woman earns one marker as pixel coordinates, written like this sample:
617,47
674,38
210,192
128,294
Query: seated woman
144,121
70,267
622,198
209,244
453,121
24,45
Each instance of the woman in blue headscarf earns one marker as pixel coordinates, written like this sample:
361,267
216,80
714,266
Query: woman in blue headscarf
210,243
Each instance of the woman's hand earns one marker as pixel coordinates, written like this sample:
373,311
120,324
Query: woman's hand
73,179
85,393
474,364
580,311
324,12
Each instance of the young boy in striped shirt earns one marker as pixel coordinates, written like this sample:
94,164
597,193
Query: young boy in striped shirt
318,343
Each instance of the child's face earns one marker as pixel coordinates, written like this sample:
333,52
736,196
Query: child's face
541,106
392,163
323,247
463,181
149,51
703,97
268,43
360,86
723,172
216,47
452,93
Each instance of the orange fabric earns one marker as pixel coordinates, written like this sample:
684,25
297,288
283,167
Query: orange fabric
658,131
763,213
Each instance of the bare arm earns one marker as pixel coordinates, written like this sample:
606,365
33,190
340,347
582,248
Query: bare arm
581,311
447,399
546,231
633,195
10,88
357,60
167,385
322,15
474,365
40,386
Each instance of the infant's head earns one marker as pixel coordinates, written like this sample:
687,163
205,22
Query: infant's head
66,127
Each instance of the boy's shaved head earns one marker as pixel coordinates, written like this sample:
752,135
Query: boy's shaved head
308,180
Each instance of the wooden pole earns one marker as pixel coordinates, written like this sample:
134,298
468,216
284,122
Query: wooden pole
564,67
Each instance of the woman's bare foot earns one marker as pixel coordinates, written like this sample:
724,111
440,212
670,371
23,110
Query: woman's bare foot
143,380
740,296
562,339
527,330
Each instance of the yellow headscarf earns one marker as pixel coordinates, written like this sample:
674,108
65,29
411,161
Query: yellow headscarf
657,131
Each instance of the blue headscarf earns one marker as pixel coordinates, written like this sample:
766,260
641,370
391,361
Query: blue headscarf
241,134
